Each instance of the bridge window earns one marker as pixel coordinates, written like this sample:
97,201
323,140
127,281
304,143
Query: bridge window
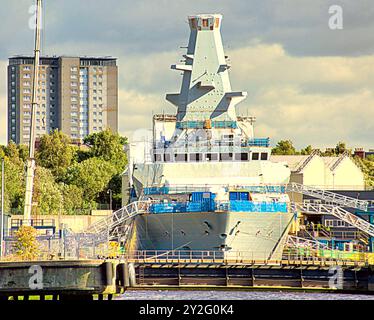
211,156
226,156
255,156
241,156
180,157
158,157
196,157
167,157
264,156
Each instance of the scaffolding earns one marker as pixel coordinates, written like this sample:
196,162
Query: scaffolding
328,196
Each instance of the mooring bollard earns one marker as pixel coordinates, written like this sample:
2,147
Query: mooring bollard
132,275
122,275
108,273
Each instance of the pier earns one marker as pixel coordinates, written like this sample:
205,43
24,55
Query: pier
102,279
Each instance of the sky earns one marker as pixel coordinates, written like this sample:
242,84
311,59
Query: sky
305,82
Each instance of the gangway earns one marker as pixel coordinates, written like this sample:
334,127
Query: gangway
113,225
328,196
337,211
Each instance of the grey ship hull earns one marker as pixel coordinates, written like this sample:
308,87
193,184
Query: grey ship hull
254,235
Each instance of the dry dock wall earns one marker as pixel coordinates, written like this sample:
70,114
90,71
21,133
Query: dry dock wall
85,278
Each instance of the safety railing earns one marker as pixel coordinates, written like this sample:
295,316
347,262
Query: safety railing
219,206
328,196
196,257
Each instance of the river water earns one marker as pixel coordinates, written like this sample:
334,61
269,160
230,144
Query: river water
236,295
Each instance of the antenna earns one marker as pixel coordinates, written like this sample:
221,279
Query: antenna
31,161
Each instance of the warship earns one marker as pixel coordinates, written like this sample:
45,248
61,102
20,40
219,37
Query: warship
208,180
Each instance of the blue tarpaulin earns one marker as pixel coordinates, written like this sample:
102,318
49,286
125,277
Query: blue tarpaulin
249,206
235,206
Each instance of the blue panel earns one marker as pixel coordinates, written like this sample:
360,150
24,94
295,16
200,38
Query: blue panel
244,196
234,196
259,142
156,190
193,207
249,206
201,196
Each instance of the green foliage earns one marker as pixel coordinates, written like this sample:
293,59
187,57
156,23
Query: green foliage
68,178
367,167
12,152
91,175
14,176
284,147
55,153
340,148
26,245
109,147
14,185
47,193
308,150
73,198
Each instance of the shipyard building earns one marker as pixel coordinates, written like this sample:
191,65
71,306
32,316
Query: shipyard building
77,95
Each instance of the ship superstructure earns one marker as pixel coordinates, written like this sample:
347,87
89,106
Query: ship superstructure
208,179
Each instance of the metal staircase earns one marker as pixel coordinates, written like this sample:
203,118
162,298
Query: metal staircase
308,159
340,159
117,224
339,212
328,196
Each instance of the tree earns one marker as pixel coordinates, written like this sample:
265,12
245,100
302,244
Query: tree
72,198
109,147
284,147
23,152
14,184
55,153
367,167
308,150
26,246
91,175
12,152
47,193
340,148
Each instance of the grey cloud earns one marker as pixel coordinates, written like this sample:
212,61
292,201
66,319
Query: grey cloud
144,26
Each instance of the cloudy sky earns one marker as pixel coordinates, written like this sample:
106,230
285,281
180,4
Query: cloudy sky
305,82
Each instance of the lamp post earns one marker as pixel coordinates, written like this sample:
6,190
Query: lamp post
2,208
110,192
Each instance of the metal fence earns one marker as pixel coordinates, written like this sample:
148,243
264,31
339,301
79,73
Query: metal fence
69,247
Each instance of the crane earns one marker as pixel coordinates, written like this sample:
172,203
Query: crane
30,171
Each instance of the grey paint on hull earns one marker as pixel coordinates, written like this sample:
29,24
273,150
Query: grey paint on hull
256,235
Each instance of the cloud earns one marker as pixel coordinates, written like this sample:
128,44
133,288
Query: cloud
310,100
305,81
145,26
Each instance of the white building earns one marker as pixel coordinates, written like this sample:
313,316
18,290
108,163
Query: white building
334,173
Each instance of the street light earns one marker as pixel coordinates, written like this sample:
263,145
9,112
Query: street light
110,192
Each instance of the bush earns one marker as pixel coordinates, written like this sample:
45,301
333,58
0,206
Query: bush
26,246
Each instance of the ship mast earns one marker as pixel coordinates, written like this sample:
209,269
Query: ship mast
31,161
